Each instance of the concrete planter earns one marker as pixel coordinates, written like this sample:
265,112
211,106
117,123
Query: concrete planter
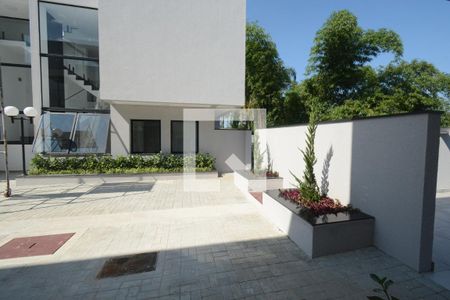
104,178
247,181
326,235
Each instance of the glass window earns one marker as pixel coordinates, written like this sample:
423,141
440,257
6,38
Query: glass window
71,84
145,136
68,30
179,139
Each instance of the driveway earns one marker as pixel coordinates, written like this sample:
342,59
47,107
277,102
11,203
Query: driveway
213,245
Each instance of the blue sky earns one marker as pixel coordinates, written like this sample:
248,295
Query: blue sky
424,26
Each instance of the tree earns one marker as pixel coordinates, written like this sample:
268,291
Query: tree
308,187
266,77
339,57
401,87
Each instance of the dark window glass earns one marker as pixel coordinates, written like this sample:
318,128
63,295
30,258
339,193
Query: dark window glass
177,136
145,136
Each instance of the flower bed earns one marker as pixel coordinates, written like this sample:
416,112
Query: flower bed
311,210
319,233
132,164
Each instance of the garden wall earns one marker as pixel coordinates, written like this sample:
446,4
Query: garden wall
385,166
443,182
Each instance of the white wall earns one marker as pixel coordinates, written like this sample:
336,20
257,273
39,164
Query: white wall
15,157
387,167
220,143
443,184
173,51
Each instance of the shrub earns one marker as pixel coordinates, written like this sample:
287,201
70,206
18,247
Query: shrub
308,184
93,164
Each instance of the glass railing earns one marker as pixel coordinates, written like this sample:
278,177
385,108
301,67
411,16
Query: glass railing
14,30
72,133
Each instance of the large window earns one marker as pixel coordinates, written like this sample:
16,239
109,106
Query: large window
179,138
145,136
69,57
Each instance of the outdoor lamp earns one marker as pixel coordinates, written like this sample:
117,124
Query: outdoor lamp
30,112
11,111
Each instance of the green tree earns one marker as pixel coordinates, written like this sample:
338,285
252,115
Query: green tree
401,87
308,187
266,76
339,57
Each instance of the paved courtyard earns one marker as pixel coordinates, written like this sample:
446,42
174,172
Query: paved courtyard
211,245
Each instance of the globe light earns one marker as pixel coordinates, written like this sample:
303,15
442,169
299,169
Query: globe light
11,111
30,112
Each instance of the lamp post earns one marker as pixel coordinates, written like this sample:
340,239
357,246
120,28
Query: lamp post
7,192
30,113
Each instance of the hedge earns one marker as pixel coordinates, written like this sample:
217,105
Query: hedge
132,164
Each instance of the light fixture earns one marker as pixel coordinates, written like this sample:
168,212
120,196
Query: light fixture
30,112
11,111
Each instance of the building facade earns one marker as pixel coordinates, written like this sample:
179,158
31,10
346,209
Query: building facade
114,76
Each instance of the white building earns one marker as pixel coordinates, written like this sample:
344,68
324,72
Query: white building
113,76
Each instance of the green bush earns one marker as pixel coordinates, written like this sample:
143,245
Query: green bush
132,164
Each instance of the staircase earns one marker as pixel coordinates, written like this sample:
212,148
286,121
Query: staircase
81,81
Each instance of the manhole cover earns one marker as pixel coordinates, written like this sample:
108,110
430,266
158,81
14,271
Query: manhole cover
34,245
129,264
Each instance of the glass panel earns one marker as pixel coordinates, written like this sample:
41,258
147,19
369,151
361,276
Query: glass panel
177,137
91,133
184,133
54,133
146,136
72,84
68,30
14,41
15,30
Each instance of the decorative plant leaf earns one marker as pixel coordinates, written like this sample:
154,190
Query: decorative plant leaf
385,284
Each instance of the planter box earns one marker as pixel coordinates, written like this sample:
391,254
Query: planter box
325,235
105,178
246,181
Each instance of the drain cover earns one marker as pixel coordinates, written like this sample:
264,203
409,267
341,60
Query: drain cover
34,245
129,264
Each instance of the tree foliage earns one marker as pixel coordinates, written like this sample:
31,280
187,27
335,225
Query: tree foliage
340,53
266,76
340,81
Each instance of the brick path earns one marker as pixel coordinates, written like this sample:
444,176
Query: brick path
212,245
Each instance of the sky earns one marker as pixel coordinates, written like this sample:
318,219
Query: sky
423,25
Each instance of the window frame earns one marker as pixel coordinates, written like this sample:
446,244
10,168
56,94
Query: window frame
196,135
132,139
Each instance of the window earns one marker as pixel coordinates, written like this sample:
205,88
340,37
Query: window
145,136
177,137
69,57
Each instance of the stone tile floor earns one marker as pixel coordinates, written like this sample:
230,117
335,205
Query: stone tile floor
212,245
